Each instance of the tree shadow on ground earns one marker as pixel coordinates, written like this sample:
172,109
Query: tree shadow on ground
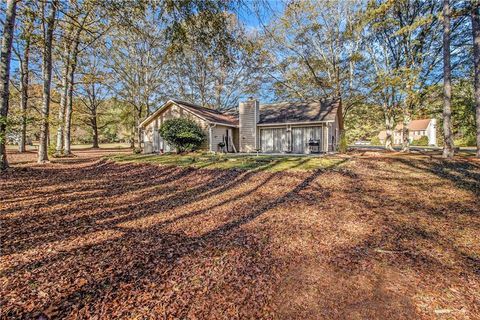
464,174
146,255
390,252
185,243
55,224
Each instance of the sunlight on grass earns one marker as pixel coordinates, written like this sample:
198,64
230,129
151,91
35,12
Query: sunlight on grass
233,161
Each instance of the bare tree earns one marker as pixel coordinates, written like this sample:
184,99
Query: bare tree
448,147
217,80
410,30
418,25
475,15
136,55
67,43
48,25
5,57
315,50
70,87
93,92
25,77
384,87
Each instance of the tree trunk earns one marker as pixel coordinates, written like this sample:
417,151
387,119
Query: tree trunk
405,131
448,147
95,131
71,82
389,122
139,130
133,134
132,142
24,83
63,100
5,57
476,58
67,148
47,80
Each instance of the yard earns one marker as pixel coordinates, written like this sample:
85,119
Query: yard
365,235
234,161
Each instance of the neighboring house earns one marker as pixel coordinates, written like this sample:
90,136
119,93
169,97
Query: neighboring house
416,130
271,128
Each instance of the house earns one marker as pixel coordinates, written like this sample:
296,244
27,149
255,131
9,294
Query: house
287,127
416,130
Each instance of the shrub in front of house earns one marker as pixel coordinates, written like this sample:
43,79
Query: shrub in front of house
182,134
423,141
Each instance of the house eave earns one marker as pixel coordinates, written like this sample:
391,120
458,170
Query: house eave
276,124
224,124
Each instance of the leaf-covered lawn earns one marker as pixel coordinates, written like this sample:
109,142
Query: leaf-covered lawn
233,161
375,237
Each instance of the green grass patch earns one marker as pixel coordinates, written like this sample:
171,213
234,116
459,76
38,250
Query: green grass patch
232,161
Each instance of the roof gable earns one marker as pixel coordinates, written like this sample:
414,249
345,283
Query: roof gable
203,113
416,125
208,114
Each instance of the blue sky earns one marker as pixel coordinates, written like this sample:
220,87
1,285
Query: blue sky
254,13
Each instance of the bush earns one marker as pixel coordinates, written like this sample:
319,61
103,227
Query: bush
423,141
375,141
466,141
182,134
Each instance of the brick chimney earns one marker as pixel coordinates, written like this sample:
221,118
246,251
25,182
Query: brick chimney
248,118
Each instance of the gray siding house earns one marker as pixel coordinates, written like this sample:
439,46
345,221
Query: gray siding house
286,127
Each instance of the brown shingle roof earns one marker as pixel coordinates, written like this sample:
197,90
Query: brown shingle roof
209,114
286,112
415,125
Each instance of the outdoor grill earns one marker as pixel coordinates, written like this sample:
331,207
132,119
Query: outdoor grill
314,146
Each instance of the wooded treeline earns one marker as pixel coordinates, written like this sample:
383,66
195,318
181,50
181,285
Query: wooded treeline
92,70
